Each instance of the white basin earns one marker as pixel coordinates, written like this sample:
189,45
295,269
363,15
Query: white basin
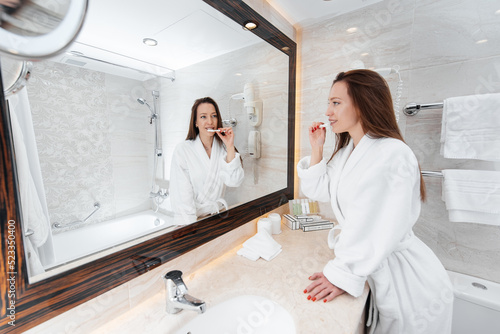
245,314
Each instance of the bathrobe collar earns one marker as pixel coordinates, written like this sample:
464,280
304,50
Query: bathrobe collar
344,164
212,183
200,149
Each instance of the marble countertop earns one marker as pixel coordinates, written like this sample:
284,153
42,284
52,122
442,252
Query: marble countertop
282,279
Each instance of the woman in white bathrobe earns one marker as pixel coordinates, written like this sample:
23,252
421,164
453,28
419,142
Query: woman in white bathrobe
203,165
374,184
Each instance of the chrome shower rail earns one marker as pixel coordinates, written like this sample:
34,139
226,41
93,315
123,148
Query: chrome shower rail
411,109
97,206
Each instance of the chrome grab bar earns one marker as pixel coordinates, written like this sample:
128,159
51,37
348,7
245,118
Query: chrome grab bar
97,206
431,173
231,122
411,109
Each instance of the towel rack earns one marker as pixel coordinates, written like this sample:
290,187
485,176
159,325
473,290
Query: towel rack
411,109
431,173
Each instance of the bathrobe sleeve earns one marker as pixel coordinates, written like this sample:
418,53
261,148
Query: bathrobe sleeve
231,173
315,181
382,205
181,190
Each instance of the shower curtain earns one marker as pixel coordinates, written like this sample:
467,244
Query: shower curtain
39,246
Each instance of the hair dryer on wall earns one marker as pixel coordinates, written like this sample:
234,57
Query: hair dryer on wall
252,107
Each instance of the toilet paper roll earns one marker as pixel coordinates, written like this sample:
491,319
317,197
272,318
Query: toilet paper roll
265,224
276,222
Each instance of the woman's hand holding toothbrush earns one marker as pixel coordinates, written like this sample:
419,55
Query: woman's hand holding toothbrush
317,134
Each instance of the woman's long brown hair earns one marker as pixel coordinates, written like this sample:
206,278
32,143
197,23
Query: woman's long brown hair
372,99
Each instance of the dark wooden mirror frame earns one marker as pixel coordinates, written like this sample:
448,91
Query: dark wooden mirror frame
38,302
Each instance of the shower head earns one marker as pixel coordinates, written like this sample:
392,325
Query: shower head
144,102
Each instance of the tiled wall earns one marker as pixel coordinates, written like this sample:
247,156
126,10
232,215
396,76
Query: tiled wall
94,141
435,45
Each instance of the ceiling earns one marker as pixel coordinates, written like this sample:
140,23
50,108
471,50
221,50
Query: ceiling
303,12
187,31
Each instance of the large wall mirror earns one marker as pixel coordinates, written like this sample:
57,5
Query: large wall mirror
94,131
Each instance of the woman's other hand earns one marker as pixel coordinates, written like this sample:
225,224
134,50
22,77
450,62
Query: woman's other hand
322,289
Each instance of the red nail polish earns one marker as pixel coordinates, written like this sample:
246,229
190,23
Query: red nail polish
324,300
305,291
310,277
314,299
308,297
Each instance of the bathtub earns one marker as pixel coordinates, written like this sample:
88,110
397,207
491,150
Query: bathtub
476,308
81,242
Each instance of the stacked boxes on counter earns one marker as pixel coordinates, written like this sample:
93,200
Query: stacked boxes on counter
304,215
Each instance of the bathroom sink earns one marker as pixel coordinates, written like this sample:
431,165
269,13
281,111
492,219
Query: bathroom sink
242,314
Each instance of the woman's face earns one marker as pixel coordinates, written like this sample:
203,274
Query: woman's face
341,112
206,118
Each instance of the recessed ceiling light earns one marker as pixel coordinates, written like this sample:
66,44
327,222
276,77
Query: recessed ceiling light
352,30
497,12
250,25
364,54
481,41
150,42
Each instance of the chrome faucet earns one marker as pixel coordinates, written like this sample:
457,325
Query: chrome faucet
177,297
162,193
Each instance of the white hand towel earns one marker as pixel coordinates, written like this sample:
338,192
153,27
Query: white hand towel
470,127
472,196
245,252
262,244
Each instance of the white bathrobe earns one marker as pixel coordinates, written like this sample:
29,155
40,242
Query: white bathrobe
197,182
375,194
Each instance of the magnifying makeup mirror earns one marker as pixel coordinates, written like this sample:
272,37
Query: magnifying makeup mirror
34,29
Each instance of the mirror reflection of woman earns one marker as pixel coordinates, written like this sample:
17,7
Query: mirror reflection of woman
375,187
203,165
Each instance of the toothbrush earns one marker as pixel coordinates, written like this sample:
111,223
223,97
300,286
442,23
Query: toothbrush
321,126
222,133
